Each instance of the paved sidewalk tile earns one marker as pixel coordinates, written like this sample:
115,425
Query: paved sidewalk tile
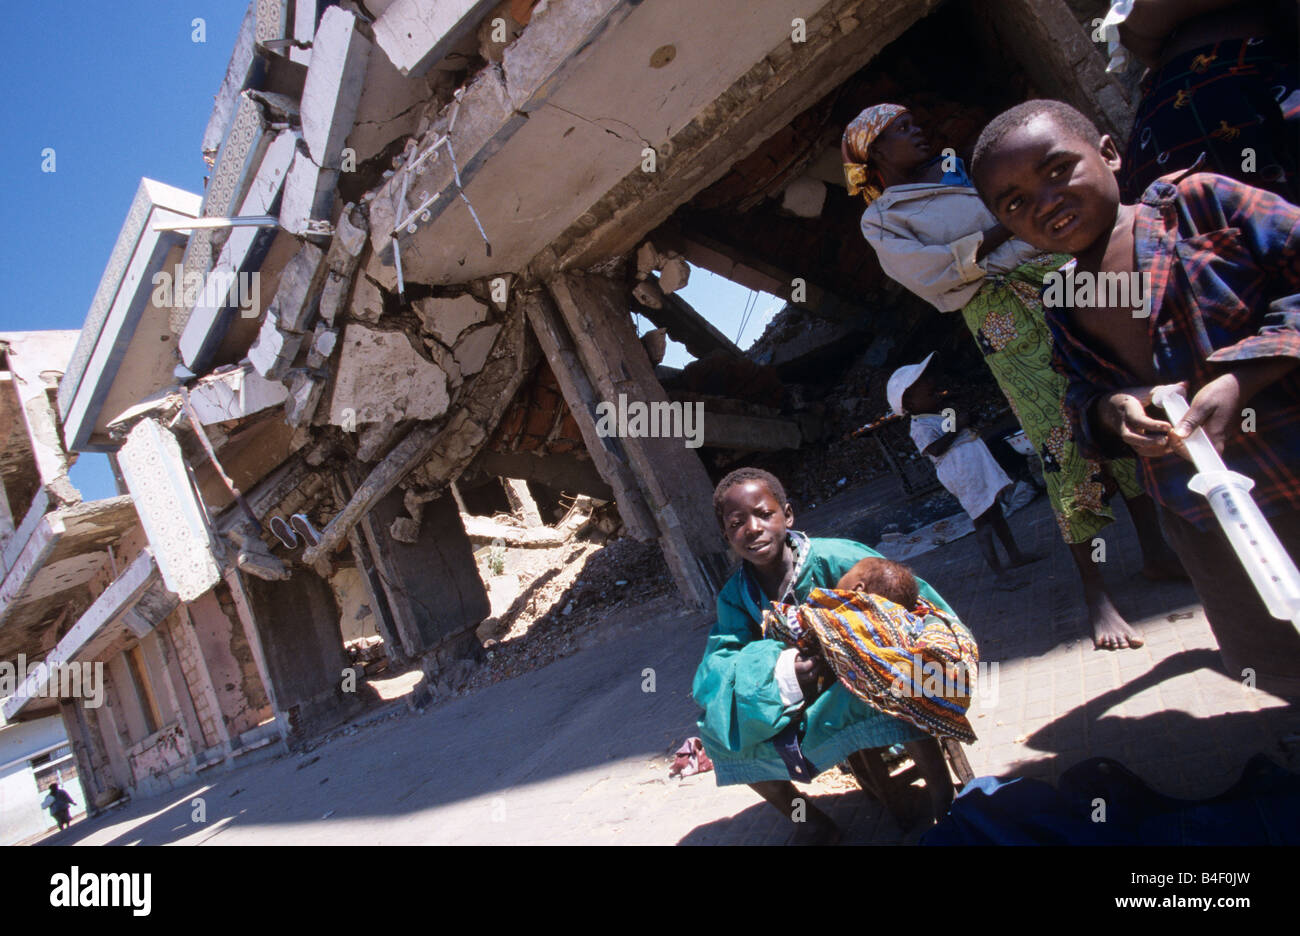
577,753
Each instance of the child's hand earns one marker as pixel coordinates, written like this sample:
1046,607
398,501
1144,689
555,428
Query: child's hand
1124,413
1215,408
1218,405
809,671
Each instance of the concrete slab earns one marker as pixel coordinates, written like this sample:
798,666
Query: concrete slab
415,35
333,87
380,376
445,319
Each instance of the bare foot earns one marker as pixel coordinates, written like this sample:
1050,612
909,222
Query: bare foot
1164,570
1109,630
1024,559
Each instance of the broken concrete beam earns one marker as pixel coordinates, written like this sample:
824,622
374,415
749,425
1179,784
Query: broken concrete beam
332,296
521,501
383,478
308,194
647,260
305,392
472,350
322,345
445,319
273,353
298,287
304,30
333,86
381,376
349,241
367,300
648,293
675,275
686,325
670,475
233,395
243,252
581,397
415,34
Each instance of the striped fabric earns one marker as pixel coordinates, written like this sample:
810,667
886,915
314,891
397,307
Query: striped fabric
918,666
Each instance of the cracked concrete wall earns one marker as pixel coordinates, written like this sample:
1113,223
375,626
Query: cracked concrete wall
193,666
298,623
229,659
433,586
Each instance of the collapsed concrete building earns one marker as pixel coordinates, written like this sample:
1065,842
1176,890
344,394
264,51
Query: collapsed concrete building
414,270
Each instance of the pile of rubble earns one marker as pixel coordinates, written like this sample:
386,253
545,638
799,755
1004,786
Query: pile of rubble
566,595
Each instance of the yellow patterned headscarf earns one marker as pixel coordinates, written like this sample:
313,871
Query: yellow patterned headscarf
858,136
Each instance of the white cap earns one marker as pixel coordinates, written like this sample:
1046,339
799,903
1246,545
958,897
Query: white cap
900,380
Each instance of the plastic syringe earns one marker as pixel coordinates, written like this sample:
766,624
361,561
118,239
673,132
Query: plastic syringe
1263,556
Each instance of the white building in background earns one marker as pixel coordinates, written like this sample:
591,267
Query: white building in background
33,756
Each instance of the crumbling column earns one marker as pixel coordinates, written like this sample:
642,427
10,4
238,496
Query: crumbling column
202,693
88,752
670,476
43,431
521,501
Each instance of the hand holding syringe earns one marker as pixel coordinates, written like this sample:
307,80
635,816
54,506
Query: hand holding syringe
1265,560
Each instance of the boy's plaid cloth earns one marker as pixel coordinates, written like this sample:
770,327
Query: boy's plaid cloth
1224,265
917,666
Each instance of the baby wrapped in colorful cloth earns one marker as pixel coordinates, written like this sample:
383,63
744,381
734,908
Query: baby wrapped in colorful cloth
887,645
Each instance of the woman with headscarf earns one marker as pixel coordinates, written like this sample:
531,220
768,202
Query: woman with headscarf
932,234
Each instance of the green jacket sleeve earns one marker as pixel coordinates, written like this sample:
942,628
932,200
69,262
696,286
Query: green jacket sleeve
735,682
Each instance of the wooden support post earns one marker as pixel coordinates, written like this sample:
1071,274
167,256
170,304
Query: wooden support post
670,476
581,396
408,453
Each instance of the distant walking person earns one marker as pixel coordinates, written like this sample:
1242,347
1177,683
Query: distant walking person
60,805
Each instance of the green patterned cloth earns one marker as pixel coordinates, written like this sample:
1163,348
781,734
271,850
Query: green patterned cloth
1006,319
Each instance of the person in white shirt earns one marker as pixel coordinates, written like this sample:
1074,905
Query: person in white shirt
964,464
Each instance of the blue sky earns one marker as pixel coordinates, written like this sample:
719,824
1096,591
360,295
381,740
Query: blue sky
120,91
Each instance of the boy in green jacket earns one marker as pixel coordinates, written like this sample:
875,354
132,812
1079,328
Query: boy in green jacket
755,691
